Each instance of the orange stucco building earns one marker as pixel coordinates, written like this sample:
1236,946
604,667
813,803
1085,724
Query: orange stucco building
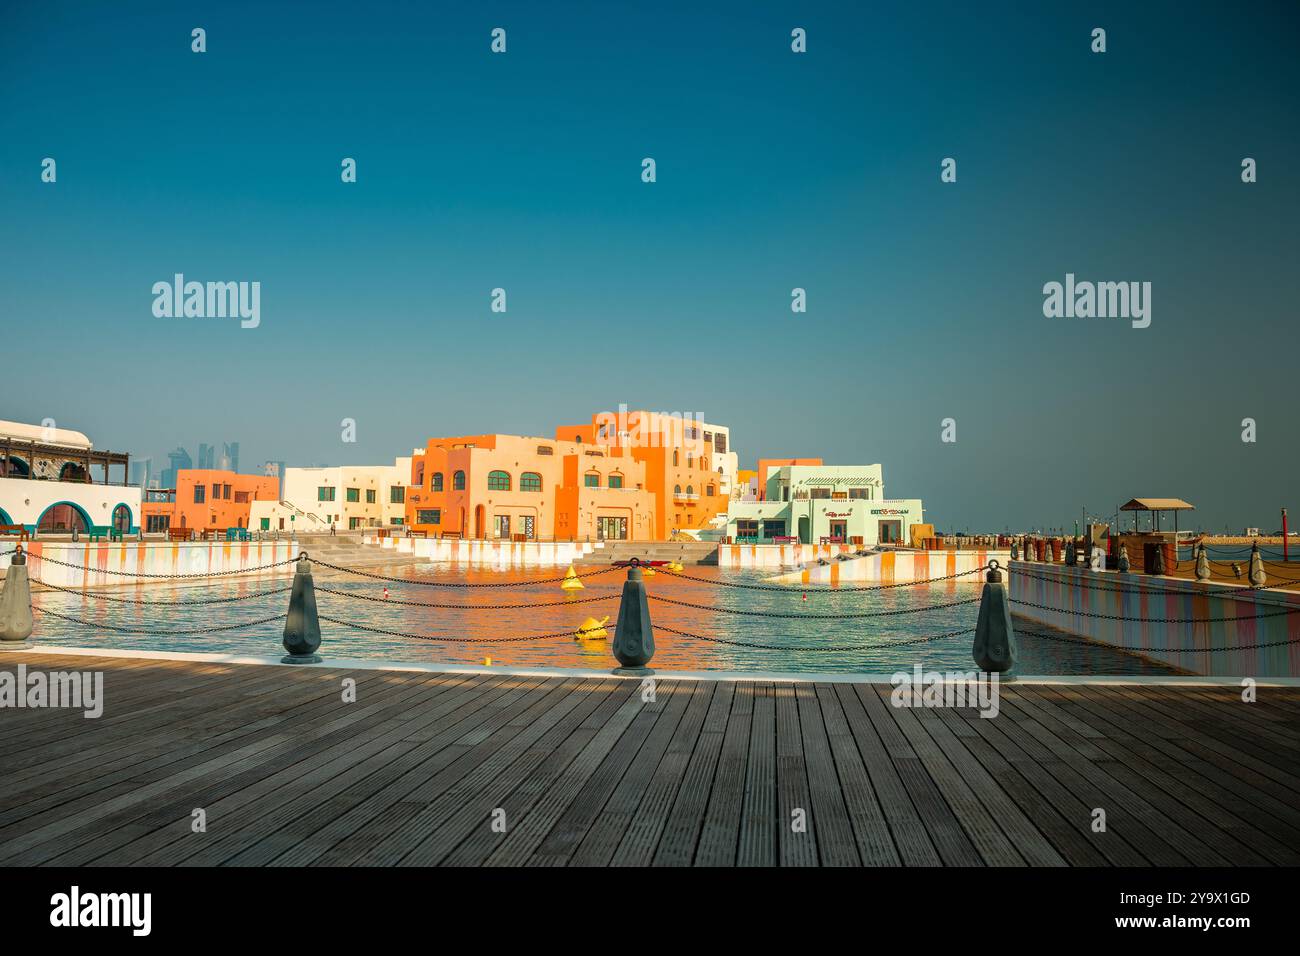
513,486
638,480
207,499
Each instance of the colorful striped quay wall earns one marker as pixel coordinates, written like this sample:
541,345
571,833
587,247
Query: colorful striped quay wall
488,553
896,567
1147,613
86,564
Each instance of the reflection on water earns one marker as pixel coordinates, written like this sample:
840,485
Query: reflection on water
809,644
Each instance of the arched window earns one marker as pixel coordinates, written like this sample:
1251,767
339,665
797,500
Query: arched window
677,489
530,481
458,481
498,481
16,468
435,483
591,479
72,471
690,461
62,518
122,519
690,489
616,480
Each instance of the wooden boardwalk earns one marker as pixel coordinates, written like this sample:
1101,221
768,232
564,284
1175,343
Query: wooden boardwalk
583,772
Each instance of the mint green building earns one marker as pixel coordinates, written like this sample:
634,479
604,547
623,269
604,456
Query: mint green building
819,504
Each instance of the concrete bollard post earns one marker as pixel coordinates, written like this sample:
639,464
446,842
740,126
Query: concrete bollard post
1202,562
16,605
302,627
994,648
1123,564
1257,576
634,636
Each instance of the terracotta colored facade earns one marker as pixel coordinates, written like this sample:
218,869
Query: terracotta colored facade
518,487
211,498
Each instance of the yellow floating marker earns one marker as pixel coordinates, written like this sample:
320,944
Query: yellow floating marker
487,662
592,629
571,582
675,566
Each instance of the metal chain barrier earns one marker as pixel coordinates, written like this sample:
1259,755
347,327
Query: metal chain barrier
465,607
821,647
459,640
170,631
837,617
187,603
837,589
458,584
1164,620
1068,639
1144,589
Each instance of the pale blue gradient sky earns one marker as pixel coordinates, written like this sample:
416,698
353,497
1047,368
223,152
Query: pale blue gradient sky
775,171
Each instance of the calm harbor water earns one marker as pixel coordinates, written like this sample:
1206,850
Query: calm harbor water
807,643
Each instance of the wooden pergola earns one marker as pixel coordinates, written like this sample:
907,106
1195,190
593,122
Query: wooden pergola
1155,506
86,457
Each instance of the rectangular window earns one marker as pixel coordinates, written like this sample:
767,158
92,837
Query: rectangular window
591,481
225,492
429,516
325,493
354,523
399,521
241,497
720,442
773,529
712,492
502,526
616,481
859,492
354,494
397,495
747,527
200,494
370,496
216,492
545,450
819,492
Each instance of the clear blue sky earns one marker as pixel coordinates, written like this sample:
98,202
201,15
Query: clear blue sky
775,170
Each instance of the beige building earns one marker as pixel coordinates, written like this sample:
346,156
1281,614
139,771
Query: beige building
346,497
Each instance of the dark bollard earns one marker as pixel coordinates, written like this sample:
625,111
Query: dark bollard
1158,563
994,649
1015,551
1123,565
634,636
1071,557
16,605
1257,576
302,628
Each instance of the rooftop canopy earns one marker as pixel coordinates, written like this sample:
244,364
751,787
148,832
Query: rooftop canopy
1157,504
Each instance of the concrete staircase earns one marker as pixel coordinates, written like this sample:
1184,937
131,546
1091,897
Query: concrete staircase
687,552
346,550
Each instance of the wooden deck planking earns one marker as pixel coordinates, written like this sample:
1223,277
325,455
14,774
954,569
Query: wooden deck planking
592,771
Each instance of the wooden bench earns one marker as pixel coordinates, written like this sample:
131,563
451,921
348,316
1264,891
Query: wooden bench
180,534
412,533
785,539
16,529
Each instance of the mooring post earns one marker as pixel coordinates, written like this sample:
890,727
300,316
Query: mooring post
1097,558
1123,565
994,648
1071,556
1257,576
302,626
1158,562
16,605
1202,562
1015,550
634,636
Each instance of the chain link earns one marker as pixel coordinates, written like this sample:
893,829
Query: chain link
466,607
461,640
1067,639
189,603
173,576
457,584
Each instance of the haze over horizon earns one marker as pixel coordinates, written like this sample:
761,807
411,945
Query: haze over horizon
775,170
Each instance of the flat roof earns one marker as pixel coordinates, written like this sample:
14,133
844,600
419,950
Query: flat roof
1157,504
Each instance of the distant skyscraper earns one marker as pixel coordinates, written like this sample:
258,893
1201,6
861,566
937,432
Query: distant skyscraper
275,469
141,471
207,455
232,455
179,459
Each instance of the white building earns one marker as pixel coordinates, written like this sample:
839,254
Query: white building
54,481
345,496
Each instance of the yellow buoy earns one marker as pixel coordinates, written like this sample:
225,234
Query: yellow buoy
675,566
571,582
487,662
592,629
647,571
